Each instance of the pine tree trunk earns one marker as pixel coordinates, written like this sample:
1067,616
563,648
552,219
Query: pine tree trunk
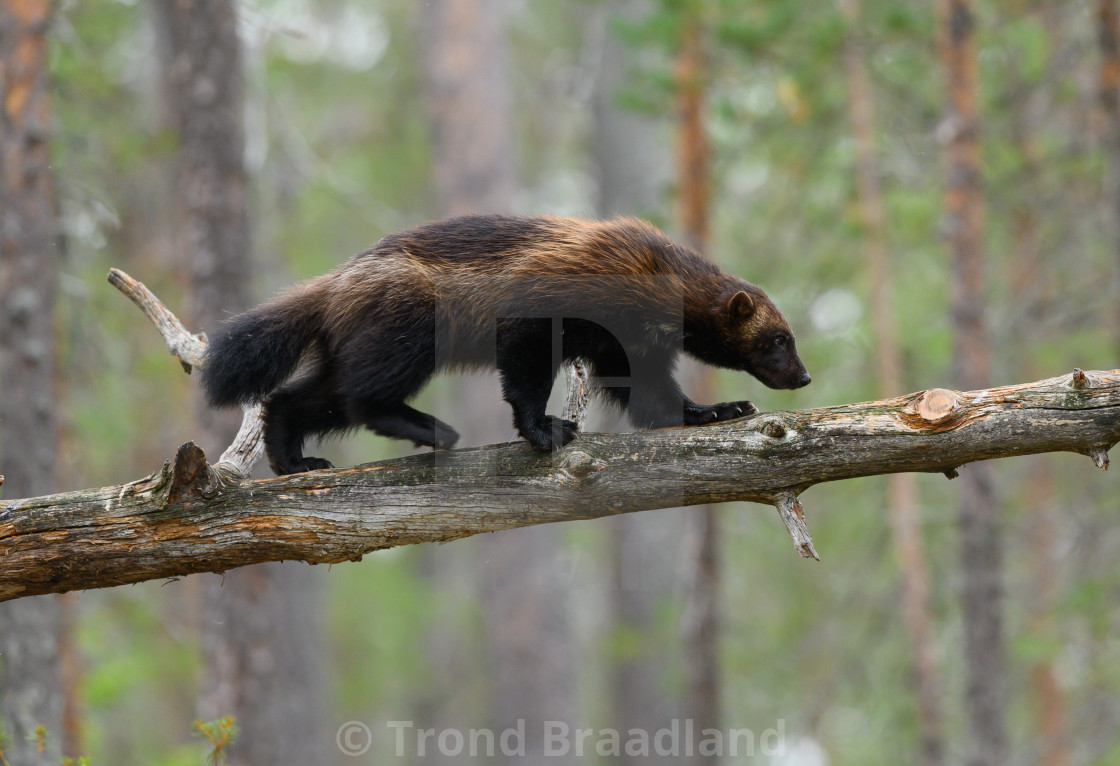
1108,37
468,97
30,692
260,625
1049,703
519,578
701,622
901,488
981,539
1027,263
642,548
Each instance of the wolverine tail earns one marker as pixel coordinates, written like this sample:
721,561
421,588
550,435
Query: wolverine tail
256,351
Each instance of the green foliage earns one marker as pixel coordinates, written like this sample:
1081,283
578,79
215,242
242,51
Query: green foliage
219,734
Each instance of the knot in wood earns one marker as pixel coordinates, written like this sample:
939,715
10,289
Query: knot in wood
580,465
773,427
935,405
1079,381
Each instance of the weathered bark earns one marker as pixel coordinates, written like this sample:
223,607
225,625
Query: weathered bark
259,626
981,541
701,617
30,693
129,533
901,488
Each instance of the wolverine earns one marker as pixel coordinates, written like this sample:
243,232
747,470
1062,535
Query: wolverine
519,294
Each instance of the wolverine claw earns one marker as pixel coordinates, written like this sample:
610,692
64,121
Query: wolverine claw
738,410
717,413
316,464
301,466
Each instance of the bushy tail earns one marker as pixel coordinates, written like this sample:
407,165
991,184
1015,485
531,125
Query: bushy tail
256,351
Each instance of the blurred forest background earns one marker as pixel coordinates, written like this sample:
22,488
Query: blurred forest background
914,183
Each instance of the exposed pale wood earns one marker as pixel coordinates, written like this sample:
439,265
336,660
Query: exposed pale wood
248,446
935,405
1100,458
793,516
129,533
579,393
186,346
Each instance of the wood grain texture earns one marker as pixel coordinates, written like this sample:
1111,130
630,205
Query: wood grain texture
115,535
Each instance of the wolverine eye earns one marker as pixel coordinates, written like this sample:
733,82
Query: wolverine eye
779,341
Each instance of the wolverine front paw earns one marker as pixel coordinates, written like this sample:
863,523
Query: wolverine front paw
732,410
701,414
550,433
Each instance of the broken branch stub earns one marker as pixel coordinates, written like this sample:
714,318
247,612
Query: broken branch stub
579,393
793,516
237,462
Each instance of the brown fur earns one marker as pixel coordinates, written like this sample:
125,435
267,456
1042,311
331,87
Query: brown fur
479,291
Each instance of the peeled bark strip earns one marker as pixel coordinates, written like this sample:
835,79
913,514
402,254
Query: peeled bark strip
115,535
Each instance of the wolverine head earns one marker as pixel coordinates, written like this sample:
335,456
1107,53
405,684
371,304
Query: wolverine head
760,340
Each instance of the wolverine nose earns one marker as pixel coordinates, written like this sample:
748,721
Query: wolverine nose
806,379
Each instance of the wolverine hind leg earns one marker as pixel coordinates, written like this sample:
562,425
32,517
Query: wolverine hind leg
384,366
528,367
307,407
399,421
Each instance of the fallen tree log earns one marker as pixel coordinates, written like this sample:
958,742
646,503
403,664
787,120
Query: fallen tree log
192,517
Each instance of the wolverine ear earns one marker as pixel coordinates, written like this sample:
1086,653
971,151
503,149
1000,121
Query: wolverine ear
740,305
